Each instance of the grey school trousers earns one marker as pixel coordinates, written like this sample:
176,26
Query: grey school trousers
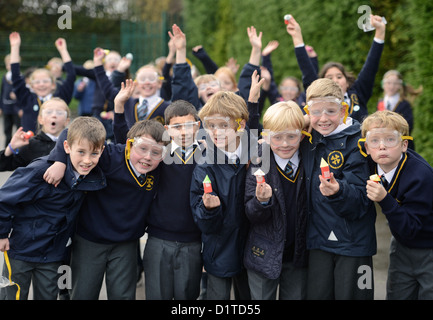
336,277
172,269
90,261
43,276
410,273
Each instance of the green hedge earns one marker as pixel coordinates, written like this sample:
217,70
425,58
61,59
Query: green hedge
331,28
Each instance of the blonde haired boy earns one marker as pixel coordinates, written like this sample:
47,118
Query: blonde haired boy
341,233
276,210
220,214
404,196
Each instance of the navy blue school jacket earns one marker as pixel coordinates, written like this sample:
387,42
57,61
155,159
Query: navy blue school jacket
118,212
30,103
42,216
408,206
224,229
360,91
344,223
268,223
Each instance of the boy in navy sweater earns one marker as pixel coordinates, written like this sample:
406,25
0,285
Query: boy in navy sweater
107,230
42,83
41,217
172,257
405,197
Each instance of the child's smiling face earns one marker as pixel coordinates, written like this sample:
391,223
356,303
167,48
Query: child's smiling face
42,83
325,116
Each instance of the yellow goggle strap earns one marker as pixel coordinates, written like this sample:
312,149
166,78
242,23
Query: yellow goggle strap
346,112
8,265
310,137
128,148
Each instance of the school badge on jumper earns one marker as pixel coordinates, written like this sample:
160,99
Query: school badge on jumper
335,159
149,182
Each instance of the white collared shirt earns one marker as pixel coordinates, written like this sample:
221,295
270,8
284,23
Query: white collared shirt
189,149
389,175
391,101
152,102
283,162
232,155
52,137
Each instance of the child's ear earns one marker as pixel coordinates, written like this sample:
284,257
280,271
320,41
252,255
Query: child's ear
66,147
243,123
405,145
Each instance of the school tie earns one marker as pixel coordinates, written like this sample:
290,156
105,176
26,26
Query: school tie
383,181
142,178
142,110
236,161
182,152
288,170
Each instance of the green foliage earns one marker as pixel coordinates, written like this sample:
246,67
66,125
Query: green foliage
331,28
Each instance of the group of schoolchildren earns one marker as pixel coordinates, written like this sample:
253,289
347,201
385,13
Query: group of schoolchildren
272,225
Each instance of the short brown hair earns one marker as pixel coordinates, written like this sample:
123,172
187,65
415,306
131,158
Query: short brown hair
227,104
180,108
152,128
88,128
324,88
385,119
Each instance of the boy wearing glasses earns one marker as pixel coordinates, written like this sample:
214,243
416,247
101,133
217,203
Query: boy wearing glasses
275,253
220,214
405,197
112,220
341,232
146,102
172,258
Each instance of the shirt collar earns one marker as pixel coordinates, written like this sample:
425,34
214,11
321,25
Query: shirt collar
283,162
389,175
175,146
151,101
238,152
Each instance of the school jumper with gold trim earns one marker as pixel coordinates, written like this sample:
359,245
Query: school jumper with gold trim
408,206
344,223
118,212
30,103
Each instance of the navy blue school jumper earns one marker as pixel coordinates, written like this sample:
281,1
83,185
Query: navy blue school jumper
408,205
118,212
360,91
39,145
29,101
42,216
278,229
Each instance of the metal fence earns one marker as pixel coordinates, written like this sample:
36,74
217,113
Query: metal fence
145,40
